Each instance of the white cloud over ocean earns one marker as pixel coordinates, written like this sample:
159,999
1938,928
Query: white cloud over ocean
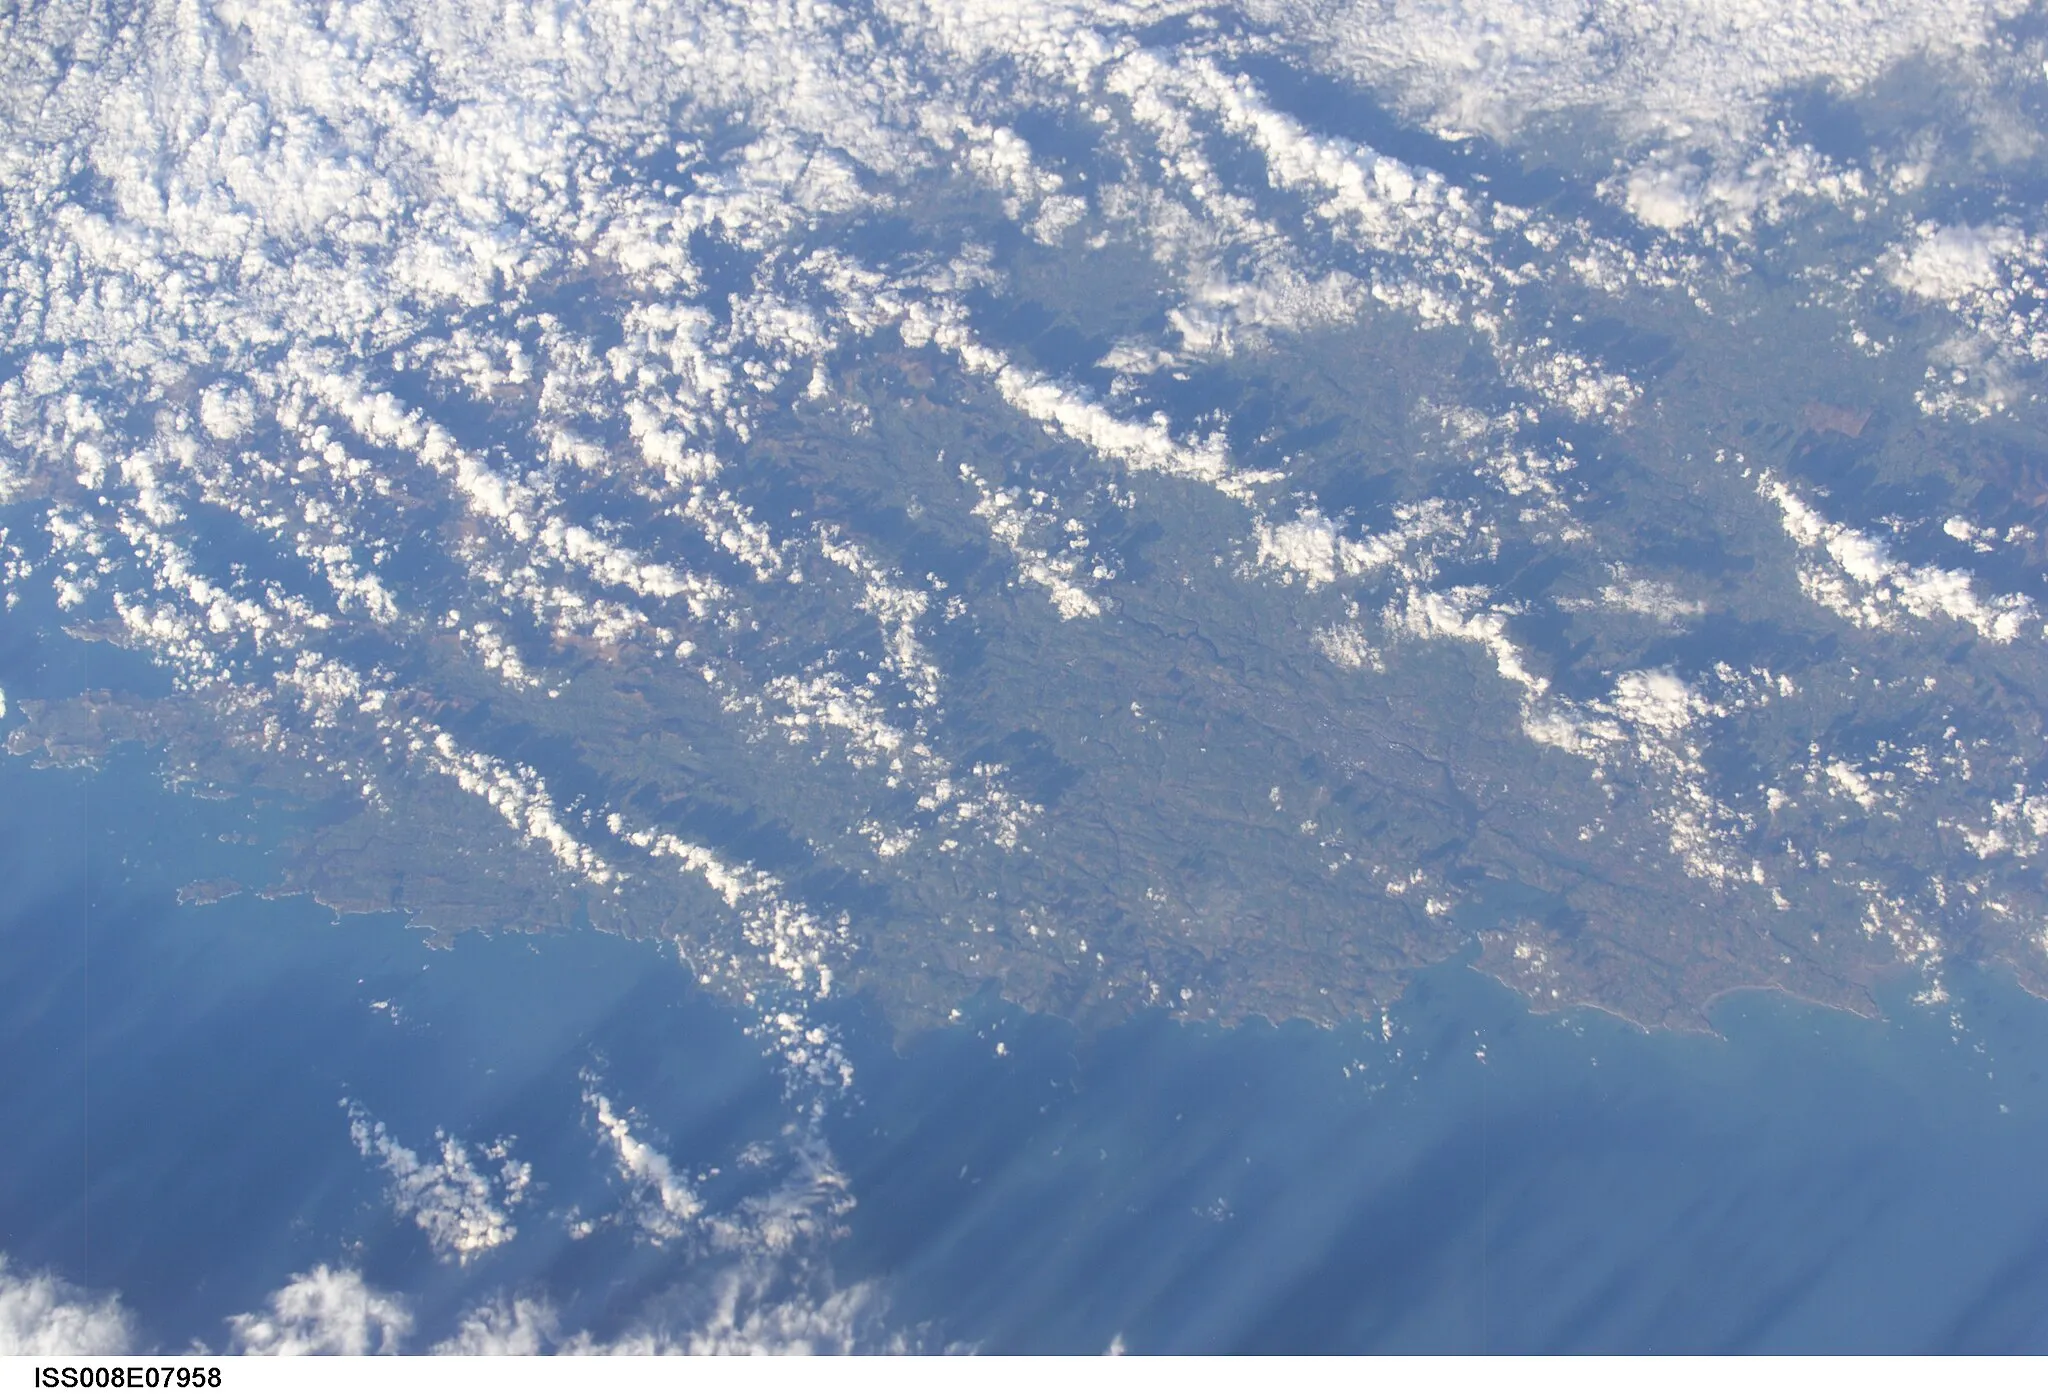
43,1315
463,1210
324,1311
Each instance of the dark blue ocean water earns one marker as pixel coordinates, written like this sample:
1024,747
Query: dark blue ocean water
1810,1181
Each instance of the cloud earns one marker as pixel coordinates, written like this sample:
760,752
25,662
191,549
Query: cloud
1989,278
328,1311
1657,600
1314,548
504,1326
742,1308
1059,573
329,317
1945,263
1699,70
462,1211
1869,587
1462,614
749,1307
1637,595
662,1203
1348,646
760,1283
741,1313
760,1279
1659,699
226,413
41,1314
1667,197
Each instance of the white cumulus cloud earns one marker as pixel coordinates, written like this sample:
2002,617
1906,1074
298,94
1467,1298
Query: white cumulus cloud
42,1314
328,1311
1943,263
1705,70
663,1204
461,1209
